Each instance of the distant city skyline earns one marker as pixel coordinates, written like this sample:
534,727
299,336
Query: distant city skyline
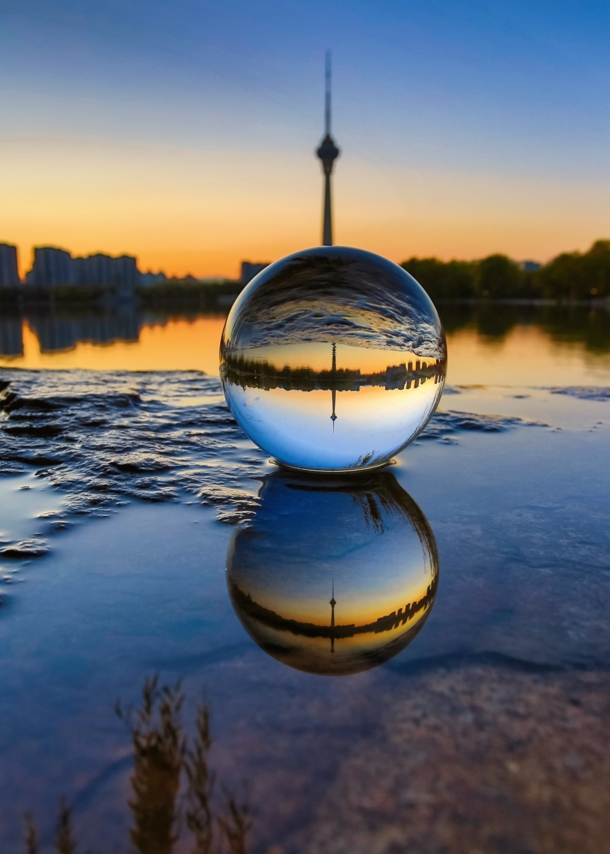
184,135
54,265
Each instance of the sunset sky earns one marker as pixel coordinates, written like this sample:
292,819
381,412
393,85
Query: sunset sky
184,132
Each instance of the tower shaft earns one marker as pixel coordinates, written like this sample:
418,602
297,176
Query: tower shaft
327,229
333,372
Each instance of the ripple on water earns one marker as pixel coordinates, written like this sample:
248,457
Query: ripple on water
104,438
584,392
32,547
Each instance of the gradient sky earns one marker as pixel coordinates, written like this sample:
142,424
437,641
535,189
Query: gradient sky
184,132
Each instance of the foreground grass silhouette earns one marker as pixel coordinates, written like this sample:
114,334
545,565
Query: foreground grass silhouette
172,784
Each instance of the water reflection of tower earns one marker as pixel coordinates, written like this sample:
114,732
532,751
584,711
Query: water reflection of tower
333,373
332,620
328,153
284,557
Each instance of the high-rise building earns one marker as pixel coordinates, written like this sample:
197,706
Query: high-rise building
52,267
57,267
93,270
126,271
149,278
105,271
9,276
249,270
328,153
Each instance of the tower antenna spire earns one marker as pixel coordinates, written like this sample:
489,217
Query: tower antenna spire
328,93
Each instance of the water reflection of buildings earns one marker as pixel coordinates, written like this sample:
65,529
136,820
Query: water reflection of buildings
57,333
279,567
11,337
64,333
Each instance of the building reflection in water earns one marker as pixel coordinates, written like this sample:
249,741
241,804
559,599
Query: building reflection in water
334,575
57,332
11,337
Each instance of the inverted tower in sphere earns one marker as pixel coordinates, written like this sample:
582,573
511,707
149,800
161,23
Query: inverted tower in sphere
328,153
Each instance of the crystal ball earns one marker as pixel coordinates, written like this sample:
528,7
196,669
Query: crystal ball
335,574
333,359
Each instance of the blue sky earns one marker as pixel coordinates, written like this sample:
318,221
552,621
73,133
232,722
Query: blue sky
465,128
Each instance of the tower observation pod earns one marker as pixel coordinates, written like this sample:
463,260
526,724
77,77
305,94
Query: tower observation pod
328,153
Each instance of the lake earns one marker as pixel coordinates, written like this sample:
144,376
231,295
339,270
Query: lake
488,343
413,660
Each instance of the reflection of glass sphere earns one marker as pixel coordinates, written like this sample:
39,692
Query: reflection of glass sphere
333,576
333,359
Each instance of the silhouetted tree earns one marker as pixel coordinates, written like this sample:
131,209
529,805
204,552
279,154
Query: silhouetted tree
573,275
498,276
569,276
443,280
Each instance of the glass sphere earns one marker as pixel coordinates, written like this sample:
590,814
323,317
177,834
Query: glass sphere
333,359
333,575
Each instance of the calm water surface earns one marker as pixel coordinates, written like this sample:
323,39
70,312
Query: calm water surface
141,532
491,345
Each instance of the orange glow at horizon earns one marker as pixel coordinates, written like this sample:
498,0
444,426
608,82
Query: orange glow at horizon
318,357
353,609
204,211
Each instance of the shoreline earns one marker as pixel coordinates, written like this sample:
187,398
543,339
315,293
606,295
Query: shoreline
218,298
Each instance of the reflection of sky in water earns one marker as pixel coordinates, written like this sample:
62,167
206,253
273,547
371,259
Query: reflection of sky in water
521,517
360,541
296,426
301,541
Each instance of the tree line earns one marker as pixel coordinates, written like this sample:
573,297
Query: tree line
569,276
